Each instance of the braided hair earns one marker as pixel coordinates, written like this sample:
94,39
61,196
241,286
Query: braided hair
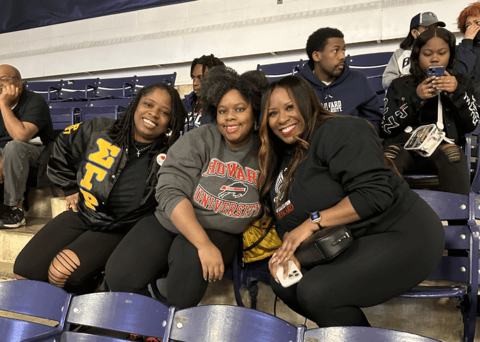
122,130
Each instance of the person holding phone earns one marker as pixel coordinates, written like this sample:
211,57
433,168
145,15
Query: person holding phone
318,170
432,94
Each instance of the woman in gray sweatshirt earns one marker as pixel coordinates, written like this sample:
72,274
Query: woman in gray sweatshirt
207,193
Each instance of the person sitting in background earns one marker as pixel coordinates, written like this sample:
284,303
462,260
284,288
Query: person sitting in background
339,89
207,194
108,171
469,49
319,170
24,116
192,101
414,101
399,63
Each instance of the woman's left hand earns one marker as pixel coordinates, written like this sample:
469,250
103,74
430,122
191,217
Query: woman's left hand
293,239
446,83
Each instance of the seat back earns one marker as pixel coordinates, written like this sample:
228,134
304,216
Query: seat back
111,112
115,87
118,311
29,308
142,81
78,89
109,102
361,334
48,89
372,65
62,117
276,71
229,323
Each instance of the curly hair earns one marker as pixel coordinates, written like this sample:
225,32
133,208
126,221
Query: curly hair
207,62
417,73
122,130
318,40
471,10
221,79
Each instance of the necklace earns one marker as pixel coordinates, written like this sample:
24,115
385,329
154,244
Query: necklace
140,150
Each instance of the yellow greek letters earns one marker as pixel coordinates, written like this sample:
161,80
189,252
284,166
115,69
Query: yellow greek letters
106,154
71,128
91,170
90,200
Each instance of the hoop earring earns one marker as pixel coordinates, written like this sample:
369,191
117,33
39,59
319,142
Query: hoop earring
168,132
255,126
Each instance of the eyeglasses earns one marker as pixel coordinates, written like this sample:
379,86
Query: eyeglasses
6,79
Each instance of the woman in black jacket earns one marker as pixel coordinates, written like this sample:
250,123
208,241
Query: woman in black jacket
413,101
108,172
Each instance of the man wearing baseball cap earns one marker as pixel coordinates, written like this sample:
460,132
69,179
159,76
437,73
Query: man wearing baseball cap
399,63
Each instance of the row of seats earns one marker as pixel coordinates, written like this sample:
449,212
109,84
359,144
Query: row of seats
54,311
371,65
67,98
66,113
85,89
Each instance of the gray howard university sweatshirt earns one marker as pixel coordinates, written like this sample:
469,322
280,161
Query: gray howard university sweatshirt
220,182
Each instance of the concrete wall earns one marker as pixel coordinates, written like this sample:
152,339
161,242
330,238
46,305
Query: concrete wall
242,33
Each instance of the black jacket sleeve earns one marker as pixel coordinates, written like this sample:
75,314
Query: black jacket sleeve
401,107
68,153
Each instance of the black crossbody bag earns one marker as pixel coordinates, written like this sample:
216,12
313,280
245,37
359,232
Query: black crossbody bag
324,245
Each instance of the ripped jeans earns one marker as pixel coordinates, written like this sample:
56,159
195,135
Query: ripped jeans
448,162
17,157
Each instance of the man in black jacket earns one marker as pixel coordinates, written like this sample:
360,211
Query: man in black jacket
25,129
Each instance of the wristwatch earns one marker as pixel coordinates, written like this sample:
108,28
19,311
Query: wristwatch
315,217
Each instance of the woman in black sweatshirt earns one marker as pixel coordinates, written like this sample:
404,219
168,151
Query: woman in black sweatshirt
313,161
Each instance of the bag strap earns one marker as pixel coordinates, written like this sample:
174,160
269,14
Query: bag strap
440,114
265,233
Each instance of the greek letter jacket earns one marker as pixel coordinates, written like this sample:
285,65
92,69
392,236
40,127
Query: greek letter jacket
85,161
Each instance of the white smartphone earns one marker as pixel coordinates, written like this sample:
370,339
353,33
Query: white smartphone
293,277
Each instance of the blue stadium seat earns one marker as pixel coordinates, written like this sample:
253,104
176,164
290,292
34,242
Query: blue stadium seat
115,87
362,334
109,108
48,89
229,323
372,66
115,311
142,81
26,300
81,89
276,71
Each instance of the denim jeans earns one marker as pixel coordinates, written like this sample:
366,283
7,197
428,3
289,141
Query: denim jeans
17,157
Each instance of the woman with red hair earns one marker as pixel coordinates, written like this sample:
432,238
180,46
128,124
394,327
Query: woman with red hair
469,49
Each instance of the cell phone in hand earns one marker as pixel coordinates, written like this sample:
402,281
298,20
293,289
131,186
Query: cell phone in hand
436,70
293,277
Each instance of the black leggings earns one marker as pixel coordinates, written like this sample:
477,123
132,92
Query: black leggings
374,269
67,231
448,161
149,250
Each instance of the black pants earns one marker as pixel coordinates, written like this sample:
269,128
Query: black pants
67,231
374,269
449,163
149,250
